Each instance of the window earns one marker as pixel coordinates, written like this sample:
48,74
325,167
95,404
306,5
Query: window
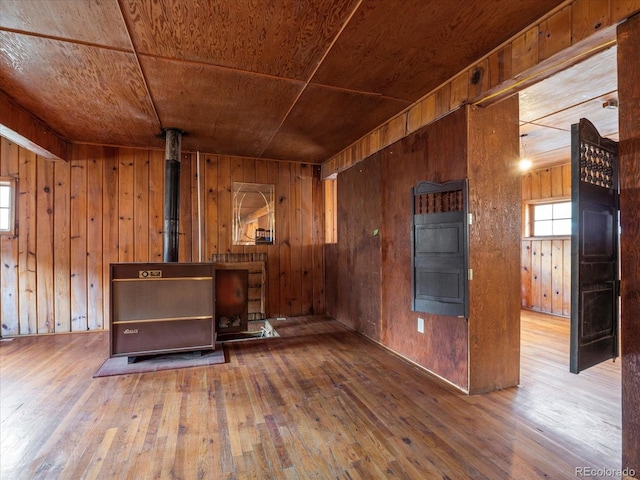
551,219
7,187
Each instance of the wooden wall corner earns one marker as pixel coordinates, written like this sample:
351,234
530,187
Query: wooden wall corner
22,128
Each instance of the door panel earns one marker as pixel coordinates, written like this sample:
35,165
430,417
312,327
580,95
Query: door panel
439,241
594,247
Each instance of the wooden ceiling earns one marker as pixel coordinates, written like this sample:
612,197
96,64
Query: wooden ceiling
548,108
284,79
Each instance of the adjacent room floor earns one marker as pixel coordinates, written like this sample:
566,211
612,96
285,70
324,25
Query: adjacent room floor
319,401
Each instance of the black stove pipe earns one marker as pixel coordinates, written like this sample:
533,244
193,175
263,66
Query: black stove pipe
173,138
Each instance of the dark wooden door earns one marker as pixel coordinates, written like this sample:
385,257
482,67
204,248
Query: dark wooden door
440,249
594,247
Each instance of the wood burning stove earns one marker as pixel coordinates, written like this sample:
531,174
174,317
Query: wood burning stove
161,308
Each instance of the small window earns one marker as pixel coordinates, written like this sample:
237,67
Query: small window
551,219
7,187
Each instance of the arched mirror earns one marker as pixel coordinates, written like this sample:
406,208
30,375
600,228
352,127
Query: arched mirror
253,213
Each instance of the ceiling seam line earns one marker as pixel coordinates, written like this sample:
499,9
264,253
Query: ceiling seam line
66,40
311,75
570,107
135,55
221,67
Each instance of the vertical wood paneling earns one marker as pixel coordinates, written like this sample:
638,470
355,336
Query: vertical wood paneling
535,185
499,66
106,205
273,257
44,245
9,296
126,237
95,274
556,182
566,180
307,221
318,241
62,247
525,188
525,51
156,205
547,289
557,274
555,34
545,183
141,205
224,205
196,180
536,274
545,274
588,16
210,205
27,242
525,277
330,198
566,278
237,175
283,210
110,235
79,239
295,238
187,213
261,175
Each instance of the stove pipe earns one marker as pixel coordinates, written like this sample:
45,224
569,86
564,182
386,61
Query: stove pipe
173,138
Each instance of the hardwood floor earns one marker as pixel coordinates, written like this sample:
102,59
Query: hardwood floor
318,402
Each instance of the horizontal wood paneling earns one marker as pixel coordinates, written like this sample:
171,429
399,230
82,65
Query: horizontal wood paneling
546,263
106,205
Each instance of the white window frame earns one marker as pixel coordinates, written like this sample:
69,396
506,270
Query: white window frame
531,220
9,209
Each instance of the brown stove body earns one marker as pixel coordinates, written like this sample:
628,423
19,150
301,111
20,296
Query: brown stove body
162,308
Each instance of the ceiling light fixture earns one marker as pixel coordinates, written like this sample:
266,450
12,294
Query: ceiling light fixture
610,104
525,163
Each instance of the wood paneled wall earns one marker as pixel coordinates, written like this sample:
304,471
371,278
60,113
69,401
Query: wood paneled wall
494,246
629,94
376,194
360,259
106,205
546,263
436,153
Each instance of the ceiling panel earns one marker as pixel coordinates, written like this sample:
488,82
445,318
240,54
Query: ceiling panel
284,79
221,110
91,21
324,120
407,52
550,107
69,85
287,38
592,78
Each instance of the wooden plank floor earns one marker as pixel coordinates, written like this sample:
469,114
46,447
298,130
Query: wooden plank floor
318,402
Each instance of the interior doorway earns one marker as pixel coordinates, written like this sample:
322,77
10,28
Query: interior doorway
547,111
